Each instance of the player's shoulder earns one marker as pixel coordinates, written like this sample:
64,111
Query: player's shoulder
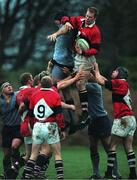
120,82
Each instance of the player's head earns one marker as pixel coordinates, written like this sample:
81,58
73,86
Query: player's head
58,16
46,82
6,88
36,80
120,73
26,79
91,15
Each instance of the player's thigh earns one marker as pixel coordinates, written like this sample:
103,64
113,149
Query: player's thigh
115,140
45,149
93,141
35,151
106,142
57,73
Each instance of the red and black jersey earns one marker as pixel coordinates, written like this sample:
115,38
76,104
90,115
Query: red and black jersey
24,94
91,33
120,97
46,106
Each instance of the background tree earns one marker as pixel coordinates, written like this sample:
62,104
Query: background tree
24,25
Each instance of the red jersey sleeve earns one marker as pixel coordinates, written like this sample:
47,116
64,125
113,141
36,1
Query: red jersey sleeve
119,86
59,114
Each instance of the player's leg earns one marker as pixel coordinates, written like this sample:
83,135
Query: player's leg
54,142
29,166
6,148
83,98
42,161
57,73
112,156
129,122
56,149
127,142
38,138
94,156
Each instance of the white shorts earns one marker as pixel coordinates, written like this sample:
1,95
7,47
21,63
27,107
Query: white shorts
28,140
124,126
45,133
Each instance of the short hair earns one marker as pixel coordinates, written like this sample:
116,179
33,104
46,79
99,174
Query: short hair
46,82
122,72
25,77
60,14
42,74
36,80
93,10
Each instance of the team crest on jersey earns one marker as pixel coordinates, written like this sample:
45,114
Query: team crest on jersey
42,111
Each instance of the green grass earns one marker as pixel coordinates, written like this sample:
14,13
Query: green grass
77,163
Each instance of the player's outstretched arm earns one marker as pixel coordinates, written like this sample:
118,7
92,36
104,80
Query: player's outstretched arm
67,27
97,76
67,81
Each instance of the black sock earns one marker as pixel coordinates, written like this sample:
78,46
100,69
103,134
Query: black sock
111,161
41,165
28,169
59,169
132,163
84,101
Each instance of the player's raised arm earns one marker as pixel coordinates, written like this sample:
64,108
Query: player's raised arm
97,76
67,27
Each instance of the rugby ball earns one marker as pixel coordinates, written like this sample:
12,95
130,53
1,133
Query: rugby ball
82,43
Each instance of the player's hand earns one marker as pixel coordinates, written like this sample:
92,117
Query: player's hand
72,107
68,26
65,70
62,135
98,77
52,37
83,75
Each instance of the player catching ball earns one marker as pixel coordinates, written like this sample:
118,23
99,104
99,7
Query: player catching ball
88,31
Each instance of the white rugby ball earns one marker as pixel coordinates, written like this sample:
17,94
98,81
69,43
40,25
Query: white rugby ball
82,43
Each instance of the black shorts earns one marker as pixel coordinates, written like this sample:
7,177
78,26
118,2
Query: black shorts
8,134
100,127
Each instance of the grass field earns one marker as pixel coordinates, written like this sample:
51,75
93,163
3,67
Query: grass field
77,163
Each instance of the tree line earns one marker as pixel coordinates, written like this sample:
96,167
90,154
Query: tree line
24,25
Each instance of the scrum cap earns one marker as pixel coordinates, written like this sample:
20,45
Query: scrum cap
3,85
123,72
59,15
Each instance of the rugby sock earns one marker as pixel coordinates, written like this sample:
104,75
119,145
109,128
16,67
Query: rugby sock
45,166
84,101
110,162
132,164
116,172
41,165
95,163
59,169
28,169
